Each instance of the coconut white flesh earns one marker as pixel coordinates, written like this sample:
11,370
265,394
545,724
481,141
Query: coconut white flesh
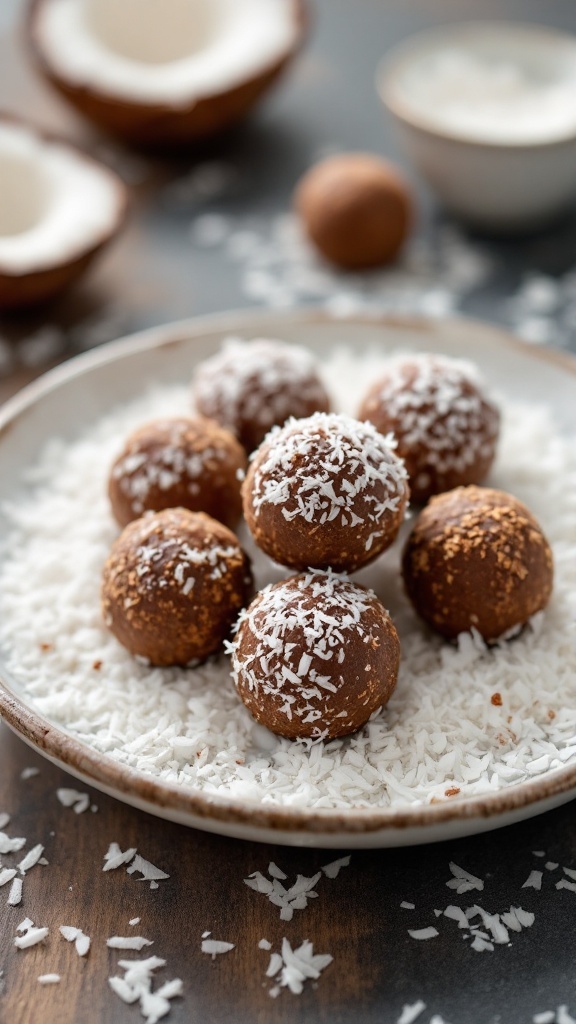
171,52
55,204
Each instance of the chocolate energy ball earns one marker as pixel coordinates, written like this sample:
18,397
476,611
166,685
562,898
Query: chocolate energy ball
315,656
356,209
325,492
251,386
173,584
477,558
178,462
446,427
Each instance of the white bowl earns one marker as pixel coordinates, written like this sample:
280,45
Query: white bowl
516,169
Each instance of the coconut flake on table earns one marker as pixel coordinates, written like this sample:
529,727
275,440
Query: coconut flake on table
33,857
28,773
77,936
136,985
80,802
440,728
215,947
411,1012
15,895
181,53
293,967
48,979
29,935
128,942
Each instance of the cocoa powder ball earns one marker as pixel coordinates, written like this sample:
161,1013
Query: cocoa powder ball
446,427
173,585
325,492
178,462
315,656
356,208
477,558
251,386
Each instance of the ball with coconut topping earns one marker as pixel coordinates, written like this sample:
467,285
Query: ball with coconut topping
178,462
173,585
315,656
477,558
251,386
445,425
356,208
326,492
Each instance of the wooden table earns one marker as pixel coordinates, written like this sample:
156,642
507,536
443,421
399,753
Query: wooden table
152,275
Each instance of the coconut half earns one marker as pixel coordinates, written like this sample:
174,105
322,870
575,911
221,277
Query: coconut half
164,72
58,208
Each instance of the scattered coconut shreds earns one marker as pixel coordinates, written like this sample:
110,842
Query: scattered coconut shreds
547,1017
136,985
332,870
564,884
289,900
8,845
114,857
275,872
4,819
15,896
570,872
463,881
77,936
30,936
214,947
134,921
534,880
29,773
296,897
538,853
49,979
423,933
80,802
264,944
32,858
411,1012
551,865
128,942
149,872
6,875
293,967
407,906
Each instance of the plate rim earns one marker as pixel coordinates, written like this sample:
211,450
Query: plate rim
59,745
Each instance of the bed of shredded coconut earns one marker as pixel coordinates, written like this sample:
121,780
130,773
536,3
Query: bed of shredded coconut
462,721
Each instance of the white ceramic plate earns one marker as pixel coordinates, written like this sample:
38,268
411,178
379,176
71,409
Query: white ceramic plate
70,397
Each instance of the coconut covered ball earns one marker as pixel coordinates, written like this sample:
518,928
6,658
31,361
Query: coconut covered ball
251,386
326,492
356,209
446,427
315,656
173,585
477,558
178,462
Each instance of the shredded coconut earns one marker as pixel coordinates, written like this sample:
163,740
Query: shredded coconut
80,802
215,947
188,727
48,979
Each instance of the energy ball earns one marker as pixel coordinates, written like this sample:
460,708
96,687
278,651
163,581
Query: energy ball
178,462
251,386
477,558
445,426
325,492
173,585
355,208
315,656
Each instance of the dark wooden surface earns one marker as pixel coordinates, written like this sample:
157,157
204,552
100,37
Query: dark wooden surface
152,275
